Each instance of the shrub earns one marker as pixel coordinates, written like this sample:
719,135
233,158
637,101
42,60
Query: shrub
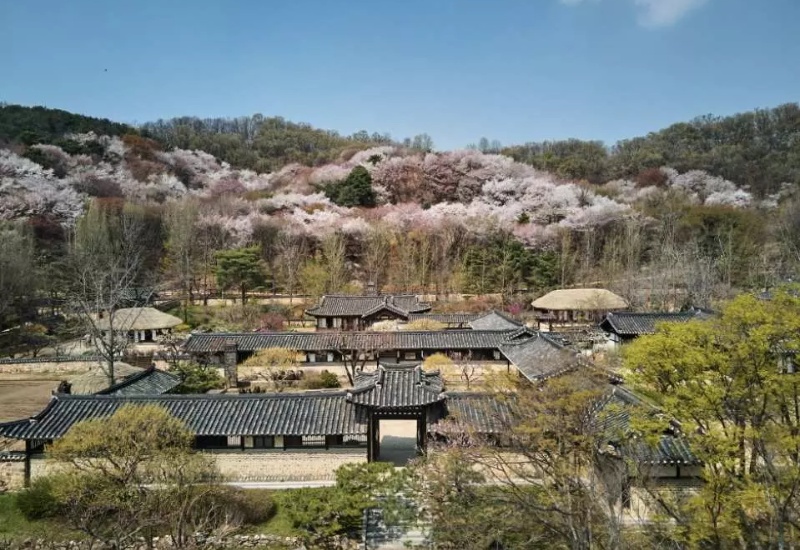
257,507
37,501
329,380
322,380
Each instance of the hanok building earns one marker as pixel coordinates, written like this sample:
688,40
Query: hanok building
139,324
343,312
575,308
229,349
283,422
622,327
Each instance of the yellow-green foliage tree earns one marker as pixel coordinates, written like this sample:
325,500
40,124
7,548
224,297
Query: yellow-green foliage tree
272,363
464,370
732,384
438,361
135,474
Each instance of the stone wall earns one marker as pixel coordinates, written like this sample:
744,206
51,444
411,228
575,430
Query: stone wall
46,367
260,465
290,465
12,475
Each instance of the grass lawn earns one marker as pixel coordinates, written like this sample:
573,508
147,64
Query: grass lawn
14,526
279,524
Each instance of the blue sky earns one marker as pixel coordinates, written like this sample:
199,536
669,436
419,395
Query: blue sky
512,70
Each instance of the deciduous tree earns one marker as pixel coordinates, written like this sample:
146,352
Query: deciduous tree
731,383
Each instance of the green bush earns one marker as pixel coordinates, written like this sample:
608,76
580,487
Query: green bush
329,380
322,380
37,501
257,507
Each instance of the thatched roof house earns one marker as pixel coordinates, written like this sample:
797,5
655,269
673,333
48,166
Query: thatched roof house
142,324
576,306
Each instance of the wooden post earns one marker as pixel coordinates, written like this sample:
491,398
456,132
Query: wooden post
370,437
28,452
422,434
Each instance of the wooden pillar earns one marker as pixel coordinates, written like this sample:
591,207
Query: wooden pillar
27,474
422,434
371,452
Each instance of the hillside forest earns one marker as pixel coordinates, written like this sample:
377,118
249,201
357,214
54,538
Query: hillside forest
684,216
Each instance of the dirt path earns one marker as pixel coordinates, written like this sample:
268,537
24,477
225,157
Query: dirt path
24,398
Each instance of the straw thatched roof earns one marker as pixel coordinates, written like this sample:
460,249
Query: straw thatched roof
139,318
580,299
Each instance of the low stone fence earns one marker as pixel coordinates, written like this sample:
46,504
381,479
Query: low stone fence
48,365
259,464
289,465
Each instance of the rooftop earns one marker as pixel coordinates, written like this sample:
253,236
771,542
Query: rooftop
150,381
540,357
615,415
336,305
635,324
495,320
310,413
138,318
321,341
396,387
580,299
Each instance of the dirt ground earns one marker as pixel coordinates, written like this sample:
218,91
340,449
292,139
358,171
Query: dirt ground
22,397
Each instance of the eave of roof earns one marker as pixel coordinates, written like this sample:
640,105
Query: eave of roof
312,413
333,341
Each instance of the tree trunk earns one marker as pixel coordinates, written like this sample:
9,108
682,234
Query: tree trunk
244,294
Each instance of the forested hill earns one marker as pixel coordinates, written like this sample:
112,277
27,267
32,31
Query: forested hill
758,149
29,125
260,143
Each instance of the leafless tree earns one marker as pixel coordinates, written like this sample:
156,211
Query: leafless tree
16,268
104,269
182,248
291,251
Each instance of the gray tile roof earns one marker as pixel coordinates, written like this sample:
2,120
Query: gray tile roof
150,381
311,413
332,341
460,318
636,324
334,305
397,387
540,357
495,320
614,413
481,412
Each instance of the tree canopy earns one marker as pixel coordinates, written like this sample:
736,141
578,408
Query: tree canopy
240,268
732,384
